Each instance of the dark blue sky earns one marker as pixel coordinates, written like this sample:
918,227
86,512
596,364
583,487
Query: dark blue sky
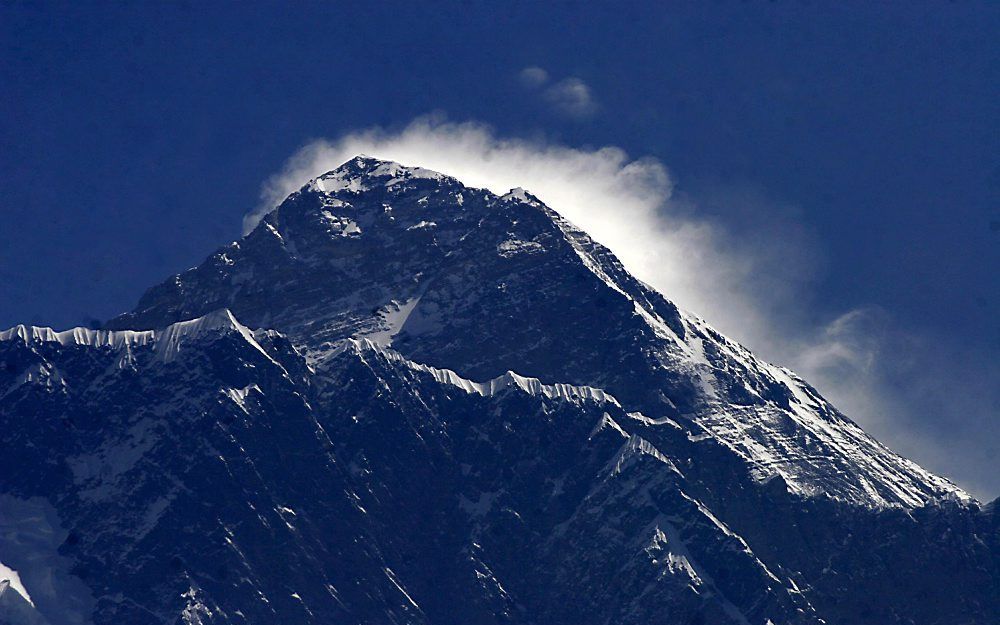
133,139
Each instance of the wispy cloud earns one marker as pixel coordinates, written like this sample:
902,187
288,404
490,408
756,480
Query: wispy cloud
570,96
533,77
751,278
847,346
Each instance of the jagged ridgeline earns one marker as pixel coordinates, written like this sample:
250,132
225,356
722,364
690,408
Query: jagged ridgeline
403,400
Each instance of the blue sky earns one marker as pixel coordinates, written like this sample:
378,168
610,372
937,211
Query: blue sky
850,152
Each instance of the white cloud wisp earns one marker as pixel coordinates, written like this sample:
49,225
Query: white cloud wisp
570,97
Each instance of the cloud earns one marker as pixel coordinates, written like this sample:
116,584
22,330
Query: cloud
848,345
533,77
911,391
750,276
570,96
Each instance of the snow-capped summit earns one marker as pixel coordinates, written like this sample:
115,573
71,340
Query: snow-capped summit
361,172
354,254
401,399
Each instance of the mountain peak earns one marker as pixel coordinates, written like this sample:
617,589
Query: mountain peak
462,279
465,383
363,172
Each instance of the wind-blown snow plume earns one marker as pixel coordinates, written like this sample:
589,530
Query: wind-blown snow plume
751,281
626,204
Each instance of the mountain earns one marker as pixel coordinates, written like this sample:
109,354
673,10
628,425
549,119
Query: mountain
403,400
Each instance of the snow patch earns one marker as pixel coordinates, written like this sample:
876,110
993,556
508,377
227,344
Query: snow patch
607,422
239,395
517,194
514,247
339,226
632,451
393,315
11,576
395,582
423,225
334,182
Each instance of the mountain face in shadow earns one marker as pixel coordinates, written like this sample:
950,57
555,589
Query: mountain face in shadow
403,400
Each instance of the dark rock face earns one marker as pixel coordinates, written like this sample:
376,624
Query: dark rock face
402,400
